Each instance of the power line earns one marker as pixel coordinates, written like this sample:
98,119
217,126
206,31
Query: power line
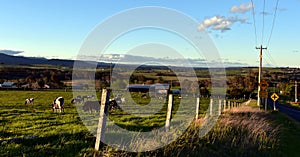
274,18
271,58
268,60
263,22
254,23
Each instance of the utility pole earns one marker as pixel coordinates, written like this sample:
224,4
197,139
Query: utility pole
296,86
296,91
110,75
259,73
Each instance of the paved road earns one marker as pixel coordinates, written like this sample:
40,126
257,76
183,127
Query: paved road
290,111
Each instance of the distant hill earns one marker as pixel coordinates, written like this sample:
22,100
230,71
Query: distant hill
21,60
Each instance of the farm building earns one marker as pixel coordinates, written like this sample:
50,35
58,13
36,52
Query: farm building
8,85
176,91
152,88
77,86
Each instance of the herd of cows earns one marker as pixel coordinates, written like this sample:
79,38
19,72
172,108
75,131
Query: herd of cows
88,106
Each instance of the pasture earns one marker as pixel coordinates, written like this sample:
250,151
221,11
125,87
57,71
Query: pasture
37,131
40,131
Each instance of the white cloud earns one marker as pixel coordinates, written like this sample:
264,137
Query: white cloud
243,8
133,59
220,23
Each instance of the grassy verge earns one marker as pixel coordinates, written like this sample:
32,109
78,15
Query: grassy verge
289,134
243,131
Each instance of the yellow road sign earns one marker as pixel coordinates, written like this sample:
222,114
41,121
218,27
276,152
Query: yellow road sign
263,94
274,97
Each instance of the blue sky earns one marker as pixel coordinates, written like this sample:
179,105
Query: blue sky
57,29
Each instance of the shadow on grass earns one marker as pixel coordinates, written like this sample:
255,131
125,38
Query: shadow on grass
55,145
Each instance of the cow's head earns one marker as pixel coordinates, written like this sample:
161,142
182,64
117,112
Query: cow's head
55,106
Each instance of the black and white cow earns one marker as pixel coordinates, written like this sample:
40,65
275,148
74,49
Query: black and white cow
58,104
29,101
113,105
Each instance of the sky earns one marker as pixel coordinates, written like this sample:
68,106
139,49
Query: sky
57,29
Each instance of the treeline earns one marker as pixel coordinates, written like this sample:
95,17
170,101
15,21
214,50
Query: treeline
244,83
241,82
38,77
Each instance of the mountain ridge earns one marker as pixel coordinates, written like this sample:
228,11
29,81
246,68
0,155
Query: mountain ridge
6,59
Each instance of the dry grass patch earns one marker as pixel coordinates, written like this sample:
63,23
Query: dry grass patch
242,131
254,128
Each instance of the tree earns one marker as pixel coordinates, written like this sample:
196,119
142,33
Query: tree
159,80
30,79
41,83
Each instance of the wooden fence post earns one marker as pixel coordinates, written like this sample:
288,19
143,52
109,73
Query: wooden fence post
169,112
211,106
229,104
220,106
102,118
225,104
197,107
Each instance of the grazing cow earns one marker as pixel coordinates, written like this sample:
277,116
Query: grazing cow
113,105
29,101
77,100
89,106
58,104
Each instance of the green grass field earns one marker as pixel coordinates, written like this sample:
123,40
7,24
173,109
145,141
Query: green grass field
44,132
37,131
56,134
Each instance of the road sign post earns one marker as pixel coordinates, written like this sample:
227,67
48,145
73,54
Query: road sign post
264,91
266,103
274,97
263,94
